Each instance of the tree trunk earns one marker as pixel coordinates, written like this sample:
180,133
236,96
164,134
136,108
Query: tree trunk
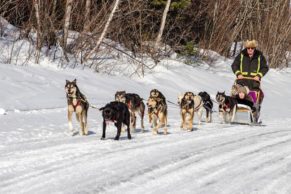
163,22
67,22
87,16
38,32
104,31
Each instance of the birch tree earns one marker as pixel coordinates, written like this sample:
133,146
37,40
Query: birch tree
104,31
67,22
38,32
87,16
163,22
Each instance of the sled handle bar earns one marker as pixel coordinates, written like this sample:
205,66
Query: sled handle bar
249,78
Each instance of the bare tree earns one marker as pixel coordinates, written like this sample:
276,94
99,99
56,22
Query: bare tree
104,31
163,22
67,22
87,16
38,32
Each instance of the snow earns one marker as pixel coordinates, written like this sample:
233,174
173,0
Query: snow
38,154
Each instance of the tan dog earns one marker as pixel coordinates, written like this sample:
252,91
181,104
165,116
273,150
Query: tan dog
187,111
154,93
189,104
158,114
77,103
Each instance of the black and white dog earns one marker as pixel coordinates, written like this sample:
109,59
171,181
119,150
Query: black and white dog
207,104
227,107
118,113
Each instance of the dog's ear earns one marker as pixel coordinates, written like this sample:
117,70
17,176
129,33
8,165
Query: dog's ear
75,81
67,81
102,108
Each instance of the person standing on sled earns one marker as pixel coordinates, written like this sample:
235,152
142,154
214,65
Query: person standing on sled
249,67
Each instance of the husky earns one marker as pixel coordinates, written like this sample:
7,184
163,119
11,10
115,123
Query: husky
77,103
198,105
207,104
154,93
227,107
187,111
135,104
158,114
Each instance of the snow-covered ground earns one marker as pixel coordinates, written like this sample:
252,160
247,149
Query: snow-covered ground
38,154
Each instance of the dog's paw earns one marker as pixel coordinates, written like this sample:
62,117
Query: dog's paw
116,138
129,136
73,133
102,138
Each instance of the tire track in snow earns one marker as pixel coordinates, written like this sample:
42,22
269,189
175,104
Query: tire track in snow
155,143
183,163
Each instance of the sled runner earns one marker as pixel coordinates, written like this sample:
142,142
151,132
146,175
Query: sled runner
243,115
246,114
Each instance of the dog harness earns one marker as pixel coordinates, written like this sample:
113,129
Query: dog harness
77,104
226,107
129,104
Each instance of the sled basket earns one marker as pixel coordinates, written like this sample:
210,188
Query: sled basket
243,115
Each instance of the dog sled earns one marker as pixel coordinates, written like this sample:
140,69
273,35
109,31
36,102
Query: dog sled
245,113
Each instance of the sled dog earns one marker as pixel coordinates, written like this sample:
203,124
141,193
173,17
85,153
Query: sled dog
207,104
157,114
118,113
154,93
135,104
227,107
186,100
187,111
77,103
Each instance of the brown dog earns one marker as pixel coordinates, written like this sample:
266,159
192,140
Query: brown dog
187,111
135,104
77,103
189,104
154,93
158,114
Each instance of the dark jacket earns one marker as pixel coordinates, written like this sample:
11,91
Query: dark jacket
250,67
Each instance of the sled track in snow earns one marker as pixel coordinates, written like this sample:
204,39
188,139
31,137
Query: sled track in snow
76,155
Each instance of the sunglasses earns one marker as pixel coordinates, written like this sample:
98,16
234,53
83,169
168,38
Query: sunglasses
253,48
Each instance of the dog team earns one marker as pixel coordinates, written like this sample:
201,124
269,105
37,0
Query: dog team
122,112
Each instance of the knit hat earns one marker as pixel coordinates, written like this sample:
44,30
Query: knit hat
243,89
250,43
